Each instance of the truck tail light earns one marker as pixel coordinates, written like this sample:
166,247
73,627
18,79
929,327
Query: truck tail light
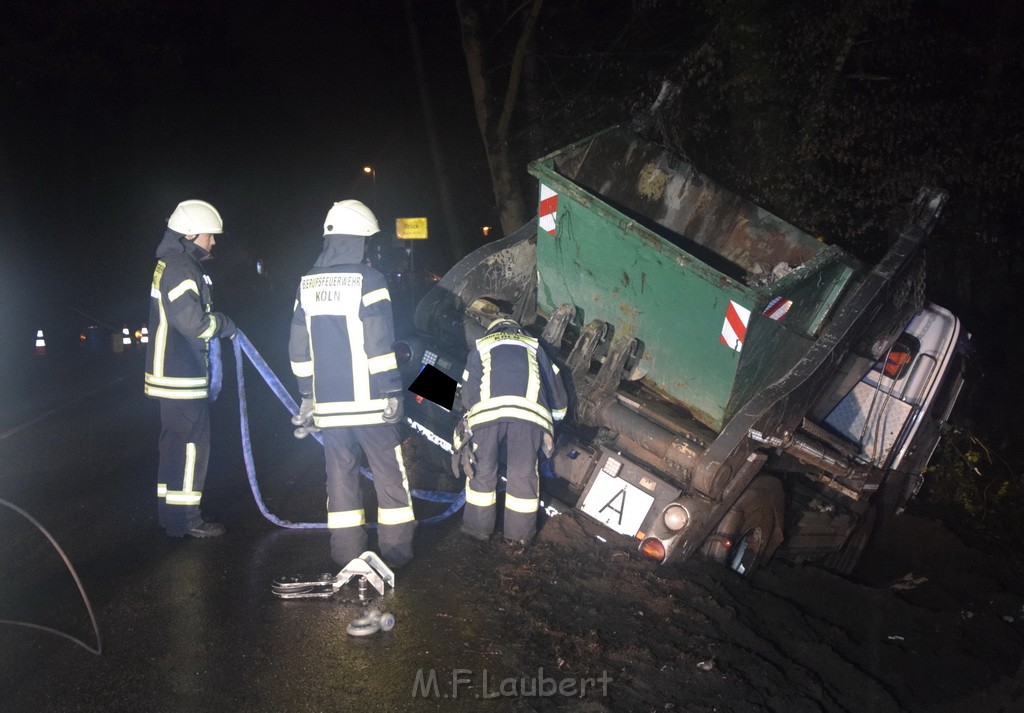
653,548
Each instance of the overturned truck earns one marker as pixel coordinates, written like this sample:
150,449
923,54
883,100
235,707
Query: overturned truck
738,387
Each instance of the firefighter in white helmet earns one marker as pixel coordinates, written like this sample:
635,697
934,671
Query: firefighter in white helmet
513,396
177,364
342,354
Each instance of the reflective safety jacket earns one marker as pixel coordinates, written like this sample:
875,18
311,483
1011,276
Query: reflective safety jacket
342,337
180,321
509,377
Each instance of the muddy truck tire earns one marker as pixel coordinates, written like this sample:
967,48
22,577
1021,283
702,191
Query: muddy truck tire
751,531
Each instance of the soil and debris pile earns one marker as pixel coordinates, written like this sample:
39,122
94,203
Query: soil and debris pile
929,626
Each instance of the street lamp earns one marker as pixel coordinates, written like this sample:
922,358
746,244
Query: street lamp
373,174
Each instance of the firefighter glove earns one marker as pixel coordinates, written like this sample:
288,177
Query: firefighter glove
463,461
394,410
463,433
548,445
305,415
225,327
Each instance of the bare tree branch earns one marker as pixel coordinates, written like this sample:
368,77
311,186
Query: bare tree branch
510,202
516,73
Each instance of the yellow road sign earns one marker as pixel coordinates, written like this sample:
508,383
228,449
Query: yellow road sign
411,228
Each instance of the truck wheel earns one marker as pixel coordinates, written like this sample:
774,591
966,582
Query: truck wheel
751,531
846,560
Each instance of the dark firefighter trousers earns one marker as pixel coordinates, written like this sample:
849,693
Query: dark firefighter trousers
520,441
184,454
343,447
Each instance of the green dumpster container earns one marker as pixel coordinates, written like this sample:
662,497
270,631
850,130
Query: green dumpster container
723,296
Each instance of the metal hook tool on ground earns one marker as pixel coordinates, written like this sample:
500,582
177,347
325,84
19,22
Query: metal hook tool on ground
371,622
368,567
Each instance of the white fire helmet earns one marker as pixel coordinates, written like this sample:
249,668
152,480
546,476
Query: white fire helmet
195,218
350,218
504,324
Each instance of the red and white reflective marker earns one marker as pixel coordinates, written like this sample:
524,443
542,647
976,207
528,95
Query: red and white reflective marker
734,328
548,209
777,308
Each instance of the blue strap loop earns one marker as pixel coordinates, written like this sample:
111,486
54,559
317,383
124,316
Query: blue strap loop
243,345
216,369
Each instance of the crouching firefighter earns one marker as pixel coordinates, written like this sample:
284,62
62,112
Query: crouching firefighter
341,350
177,364
513,395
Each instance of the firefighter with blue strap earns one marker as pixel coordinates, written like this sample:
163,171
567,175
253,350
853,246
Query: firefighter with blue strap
513,396
342,354
178,364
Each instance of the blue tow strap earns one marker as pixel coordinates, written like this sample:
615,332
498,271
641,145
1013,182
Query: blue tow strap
216,369
243,345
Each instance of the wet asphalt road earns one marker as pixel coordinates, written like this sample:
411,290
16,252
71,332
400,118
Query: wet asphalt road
191,624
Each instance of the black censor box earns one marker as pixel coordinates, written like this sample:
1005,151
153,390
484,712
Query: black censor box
434,385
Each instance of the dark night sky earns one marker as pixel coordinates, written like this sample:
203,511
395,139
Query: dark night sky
114,112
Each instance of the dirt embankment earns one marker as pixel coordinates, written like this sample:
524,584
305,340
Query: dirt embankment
928,625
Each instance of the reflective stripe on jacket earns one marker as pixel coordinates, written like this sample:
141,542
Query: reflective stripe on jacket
508,377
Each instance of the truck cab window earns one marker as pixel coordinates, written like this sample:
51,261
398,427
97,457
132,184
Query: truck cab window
897,362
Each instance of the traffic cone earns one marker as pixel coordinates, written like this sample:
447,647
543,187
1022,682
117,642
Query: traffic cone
126,337
40,342
144,337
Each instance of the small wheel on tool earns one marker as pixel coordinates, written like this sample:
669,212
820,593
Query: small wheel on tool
387,621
